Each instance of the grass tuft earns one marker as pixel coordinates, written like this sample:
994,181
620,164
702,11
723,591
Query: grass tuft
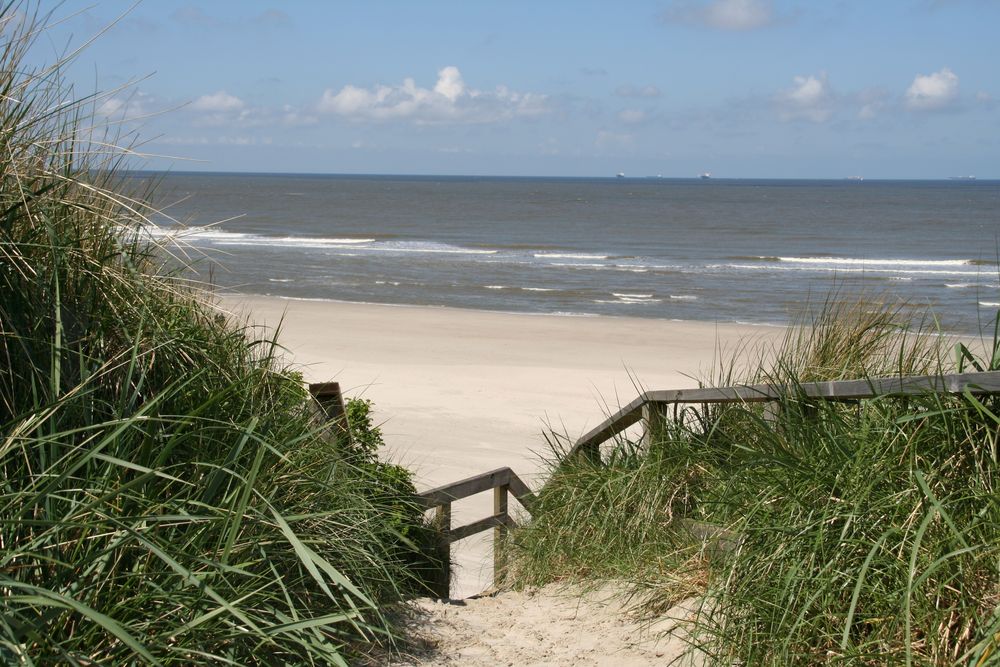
165,495
864,533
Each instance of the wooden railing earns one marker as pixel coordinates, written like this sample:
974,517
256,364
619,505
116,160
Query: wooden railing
647,407
653,404
504,482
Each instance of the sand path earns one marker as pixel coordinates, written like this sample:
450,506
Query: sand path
551,627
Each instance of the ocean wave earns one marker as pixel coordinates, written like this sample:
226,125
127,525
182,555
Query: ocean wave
844,269
539,289
221,237
989,304
851,261
632,296
218,234
279,280
972,285
495,286
683,297
559,255
626,301
578,265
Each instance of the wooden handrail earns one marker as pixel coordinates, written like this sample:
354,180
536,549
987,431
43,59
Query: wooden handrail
503,482
987,382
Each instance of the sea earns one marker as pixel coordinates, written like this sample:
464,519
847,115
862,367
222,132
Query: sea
719,250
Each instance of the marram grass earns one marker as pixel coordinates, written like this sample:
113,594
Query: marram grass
165,497
864,533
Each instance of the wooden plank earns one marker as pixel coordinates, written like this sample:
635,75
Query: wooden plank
442,520
978,383
521,492
330,400
465,487
468,529
616,423
499,532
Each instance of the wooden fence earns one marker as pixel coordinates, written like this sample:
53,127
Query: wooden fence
504,483
650,406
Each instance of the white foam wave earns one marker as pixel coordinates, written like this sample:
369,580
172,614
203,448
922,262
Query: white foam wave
627,301
579,265
218,234
559,255
539,289
683,297
220,237
632,296
496,287
841,269
849,261
989,304
279,280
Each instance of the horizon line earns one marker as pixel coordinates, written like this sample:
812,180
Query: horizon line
613,177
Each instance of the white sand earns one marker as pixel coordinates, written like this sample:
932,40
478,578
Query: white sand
461,392
550,627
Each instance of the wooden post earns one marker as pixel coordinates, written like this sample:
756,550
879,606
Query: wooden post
654,416
442,519
331,400
499,532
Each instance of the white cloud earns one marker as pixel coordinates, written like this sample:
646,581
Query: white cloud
932,92
627,90
631,116
735,15
809,99
219,102
450,101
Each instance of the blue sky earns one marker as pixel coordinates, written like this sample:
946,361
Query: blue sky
741,88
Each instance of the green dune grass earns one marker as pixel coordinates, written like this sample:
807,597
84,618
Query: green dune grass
165,494
864,533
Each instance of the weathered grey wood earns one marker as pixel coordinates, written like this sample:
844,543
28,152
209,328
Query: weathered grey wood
616,423
442,519
328,397
499,531
504,483
479,526
466,487
654,416
521,492
978,383
840,390
477,484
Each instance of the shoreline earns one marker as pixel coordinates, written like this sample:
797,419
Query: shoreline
458,391
240,296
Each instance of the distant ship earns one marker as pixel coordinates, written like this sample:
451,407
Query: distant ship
855,178
620,174
705,175
961,178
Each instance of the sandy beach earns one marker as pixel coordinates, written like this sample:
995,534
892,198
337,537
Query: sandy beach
460,392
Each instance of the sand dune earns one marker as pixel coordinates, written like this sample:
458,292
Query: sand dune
462,391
